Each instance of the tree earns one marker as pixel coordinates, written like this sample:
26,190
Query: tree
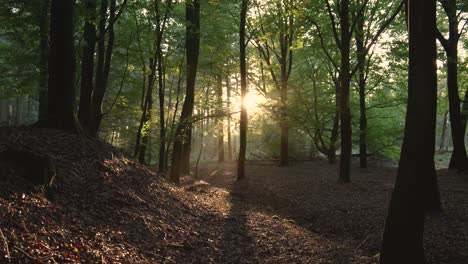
243,72
276,44
459,159
416,190
345,79
44,62
87,63
61,92
369,28
182,141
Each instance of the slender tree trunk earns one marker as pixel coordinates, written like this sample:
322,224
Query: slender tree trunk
243,72
103,66
361,57
345,79
459,159
286,41
176,109
229,140
335,132
219,94
145,121
284,124
143,114
444,131
182,141
465,112
61,93
87,63
44,59
161,87
416,190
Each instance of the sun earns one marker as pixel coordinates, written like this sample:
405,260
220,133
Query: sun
253,102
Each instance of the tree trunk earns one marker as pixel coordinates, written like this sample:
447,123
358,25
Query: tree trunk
229,140
465,112
161,87
444,131
416,190
219,93
182,141
103,66
176,109
143,129
345,78
243,72
61,93
87,63
361,57
284,124
44,59
286,41
459,159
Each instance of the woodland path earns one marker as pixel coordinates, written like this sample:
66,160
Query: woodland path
302,215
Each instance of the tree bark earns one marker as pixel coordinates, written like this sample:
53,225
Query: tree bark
61,93
361,57
444,131
219,94
465,112
143,129
345,79
103,66
87,63
243,73
459,159
229,139
44,58
416,190
182,141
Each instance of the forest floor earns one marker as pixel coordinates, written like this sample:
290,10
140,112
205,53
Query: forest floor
108,209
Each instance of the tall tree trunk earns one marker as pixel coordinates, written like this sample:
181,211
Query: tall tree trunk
465,111
161,24
416,190
243,73
44,59
286,41
220,118
143,109
176,109
103,66
182,141
459,159
284,124
345,79
87,63
61,93
145,121
229,140
361,57
444,132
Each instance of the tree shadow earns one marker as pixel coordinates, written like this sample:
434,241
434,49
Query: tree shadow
236,243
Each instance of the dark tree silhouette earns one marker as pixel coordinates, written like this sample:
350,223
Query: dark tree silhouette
459,159
243,70
182,141
416,189
61,90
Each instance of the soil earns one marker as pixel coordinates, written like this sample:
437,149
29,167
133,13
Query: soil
106,208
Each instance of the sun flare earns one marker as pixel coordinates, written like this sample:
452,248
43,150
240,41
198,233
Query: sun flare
253,102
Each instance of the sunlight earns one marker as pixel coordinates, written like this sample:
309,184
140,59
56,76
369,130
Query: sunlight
253,102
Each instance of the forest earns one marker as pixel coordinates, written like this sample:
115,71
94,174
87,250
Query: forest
241,131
